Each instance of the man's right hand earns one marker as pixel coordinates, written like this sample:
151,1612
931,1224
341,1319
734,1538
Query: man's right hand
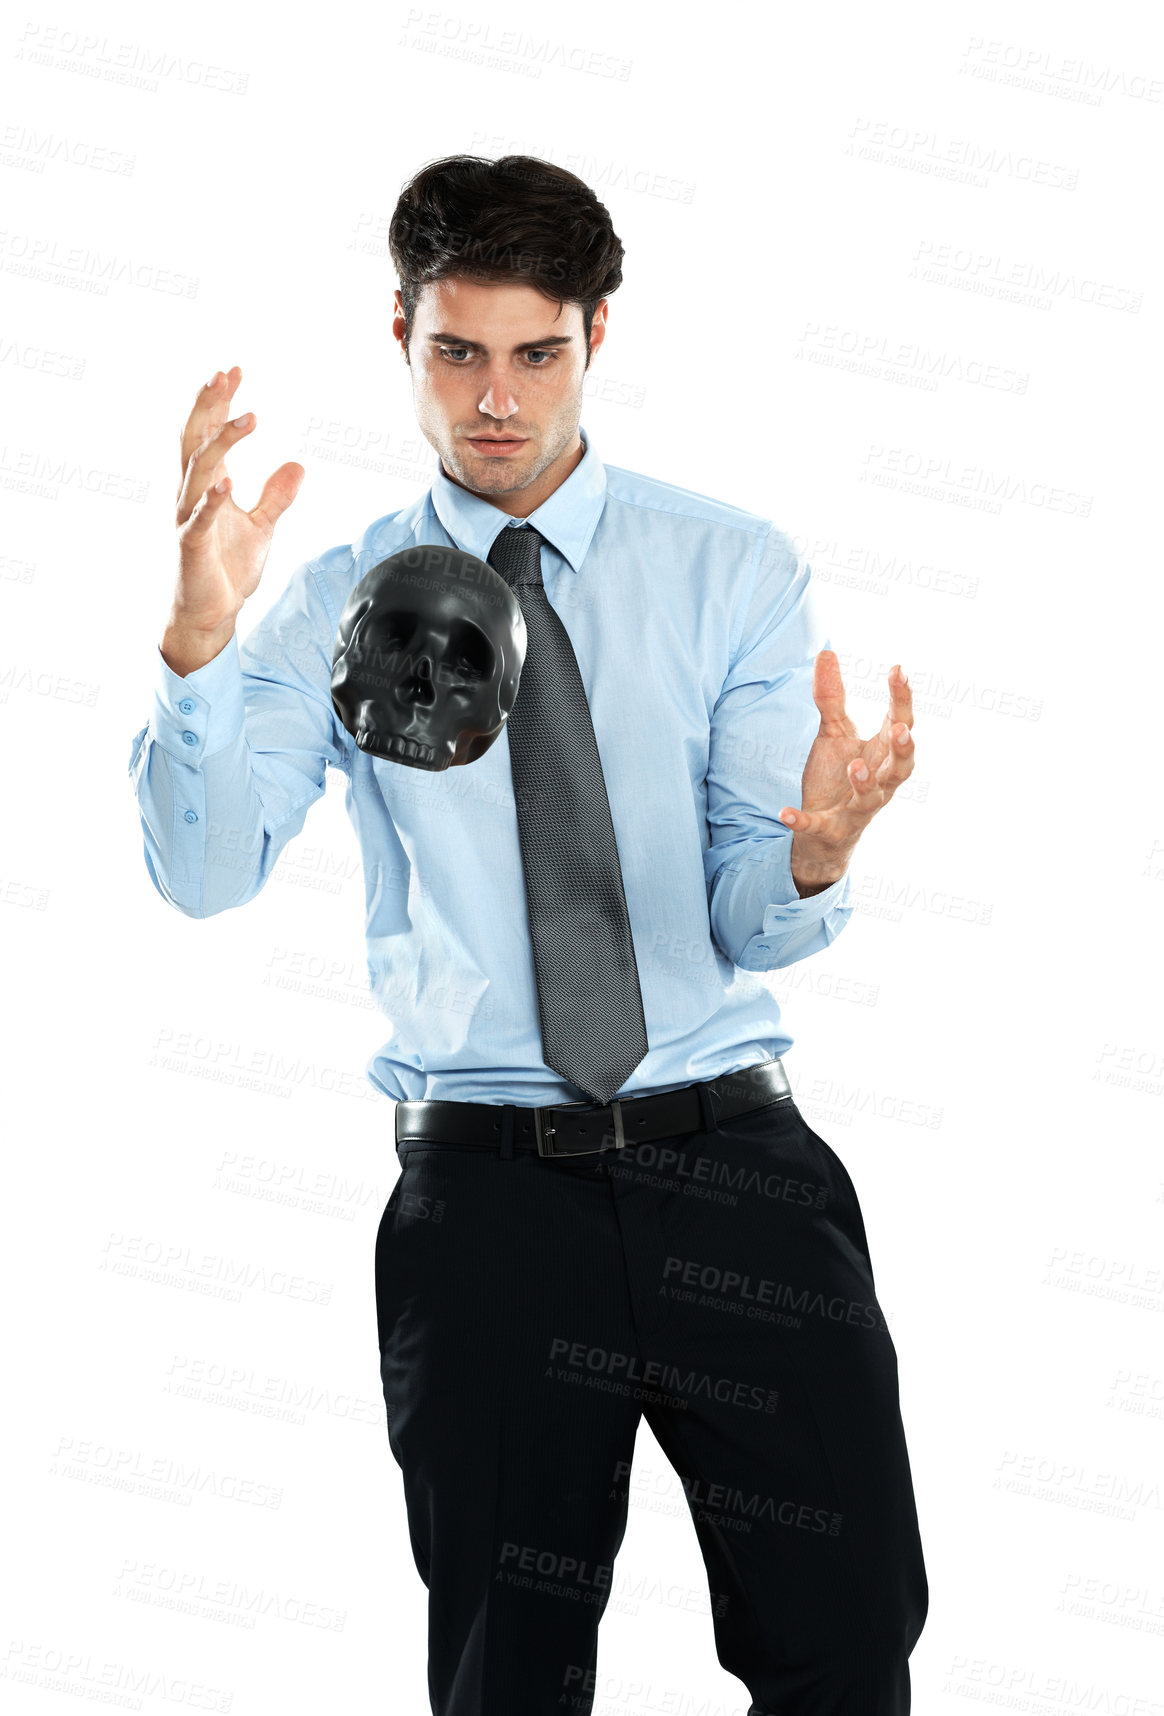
222,549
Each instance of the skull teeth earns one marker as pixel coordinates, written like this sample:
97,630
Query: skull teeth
398,746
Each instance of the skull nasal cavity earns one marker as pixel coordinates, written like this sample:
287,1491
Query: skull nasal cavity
416,686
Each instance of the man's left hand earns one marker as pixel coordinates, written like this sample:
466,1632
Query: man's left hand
845,782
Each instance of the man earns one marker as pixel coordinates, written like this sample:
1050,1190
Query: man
610,1205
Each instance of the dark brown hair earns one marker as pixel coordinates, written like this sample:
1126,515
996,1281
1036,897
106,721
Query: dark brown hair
515,219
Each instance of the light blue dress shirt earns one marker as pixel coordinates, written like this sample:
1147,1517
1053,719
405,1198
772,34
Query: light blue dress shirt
695,631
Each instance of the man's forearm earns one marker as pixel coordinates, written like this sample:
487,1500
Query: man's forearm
185,648
805,889
812,875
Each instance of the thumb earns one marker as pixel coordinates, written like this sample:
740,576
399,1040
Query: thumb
279,491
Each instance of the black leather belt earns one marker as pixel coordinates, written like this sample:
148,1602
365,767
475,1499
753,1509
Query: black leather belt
585,1128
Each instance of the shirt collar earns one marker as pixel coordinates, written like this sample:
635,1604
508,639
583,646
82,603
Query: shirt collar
567,520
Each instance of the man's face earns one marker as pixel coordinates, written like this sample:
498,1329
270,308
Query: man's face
499,364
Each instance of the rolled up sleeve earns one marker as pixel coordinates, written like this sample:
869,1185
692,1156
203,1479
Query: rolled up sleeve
762,729
235,753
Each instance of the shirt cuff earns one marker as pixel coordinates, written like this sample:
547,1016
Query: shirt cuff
803,911
793,927
201,713
783,906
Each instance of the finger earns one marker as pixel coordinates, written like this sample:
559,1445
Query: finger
872,788
211,408
868,797
883,744
800,821
900,697
203,515
839,824
866,784
828,691
898,763
279,491
831,831
869,794
207,465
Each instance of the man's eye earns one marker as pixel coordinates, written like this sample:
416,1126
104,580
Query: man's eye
536,352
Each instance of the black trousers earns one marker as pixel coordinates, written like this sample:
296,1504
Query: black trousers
719,1285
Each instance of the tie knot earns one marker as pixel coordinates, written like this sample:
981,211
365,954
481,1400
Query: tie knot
517,554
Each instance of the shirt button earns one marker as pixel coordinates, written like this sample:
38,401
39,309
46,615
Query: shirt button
187,706
191,816
190,738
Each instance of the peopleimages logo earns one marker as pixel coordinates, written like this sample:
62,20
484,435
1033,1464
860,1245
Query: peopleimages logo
623,1369
710,1170
761,1291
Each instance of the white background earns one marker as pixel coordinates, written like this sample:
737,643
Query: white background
891,281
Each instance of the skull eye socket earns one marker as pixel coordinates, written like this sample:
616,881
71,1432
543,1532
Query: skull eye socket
385,642
470,654
396,630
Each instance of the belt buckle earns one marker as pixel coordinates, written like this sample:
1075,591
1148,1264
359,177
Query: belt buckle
544,1133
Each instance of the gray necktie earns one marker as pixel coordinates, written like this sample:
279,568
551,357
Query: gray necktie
593,1030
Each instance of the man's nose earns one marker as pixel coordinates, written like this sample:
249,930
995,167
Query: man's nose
497,401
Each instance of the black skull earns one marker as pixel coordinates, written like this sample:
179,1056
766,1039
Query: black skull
428,657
